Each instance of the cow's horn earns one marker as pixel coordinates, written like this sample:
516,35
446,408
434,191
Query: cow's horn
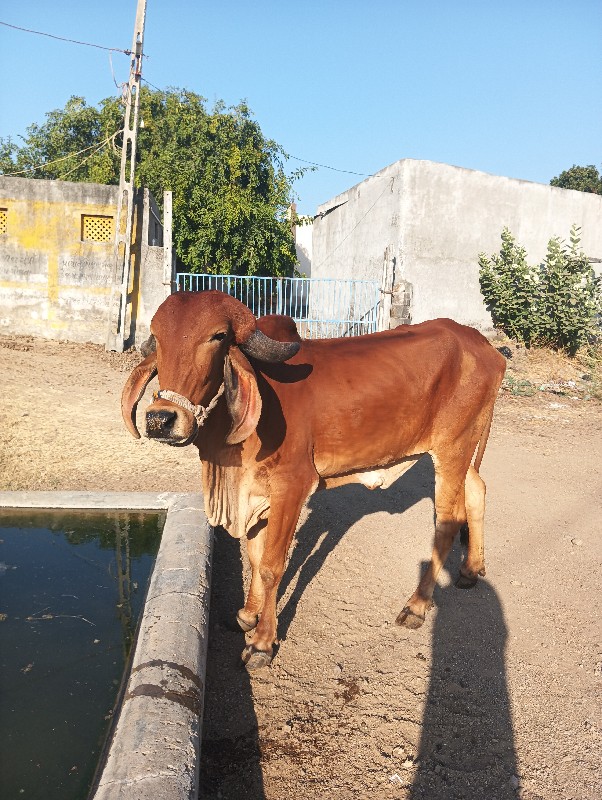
261,347
149,346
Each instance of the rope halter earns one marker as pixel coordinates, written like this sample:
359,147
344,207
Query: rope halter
200,413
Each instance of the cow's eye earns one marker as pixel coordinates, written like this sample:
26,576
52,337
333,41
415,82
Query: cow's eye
218,337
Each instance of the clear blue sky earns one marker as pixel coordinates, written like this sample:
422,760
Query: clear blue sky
510,88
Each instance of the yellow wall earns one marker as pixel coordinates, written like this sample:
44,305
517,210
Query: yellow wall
52,283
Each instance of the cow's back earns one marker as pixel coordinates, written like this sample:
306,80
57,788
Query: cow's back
361,401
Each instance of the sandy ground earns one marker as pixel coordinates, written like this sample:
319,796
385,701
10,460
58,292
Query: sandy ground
496,696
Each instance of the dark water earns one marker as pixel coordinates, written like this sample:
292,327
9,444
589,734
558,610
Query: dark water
72,586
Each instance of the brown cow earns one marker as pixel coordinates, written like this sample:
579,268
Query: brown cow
361,409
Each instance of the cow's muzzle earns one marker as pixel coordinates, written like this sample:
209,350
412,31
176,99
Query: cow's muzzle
169,425
159,424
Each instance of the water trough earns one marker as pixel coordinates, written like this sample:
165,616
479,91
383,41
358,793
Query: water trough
155,746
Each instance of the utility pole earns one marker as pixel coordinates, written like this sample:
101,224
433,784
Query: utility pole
125,204
167,243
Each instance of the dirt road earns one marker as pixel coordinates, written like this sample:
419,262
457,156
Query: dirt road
496,696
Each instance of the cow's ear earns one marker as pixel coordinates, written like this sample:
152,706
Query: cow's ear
242,396
134,389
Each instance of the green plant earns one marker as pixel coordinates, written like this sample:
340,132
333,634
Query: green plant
591,359
569,299
518,387
555,304
508,285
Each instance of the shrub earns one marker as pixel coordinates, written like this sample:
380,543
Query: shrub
555,304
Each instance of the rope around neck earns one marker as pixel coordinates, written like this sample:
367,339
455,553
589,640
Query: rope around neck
200,413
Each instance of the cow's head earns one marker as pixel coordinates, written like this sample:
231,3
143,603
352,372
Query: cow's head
197,347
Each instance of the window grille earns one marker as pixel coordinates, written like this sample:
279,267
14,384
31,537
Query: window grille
96,228
3,221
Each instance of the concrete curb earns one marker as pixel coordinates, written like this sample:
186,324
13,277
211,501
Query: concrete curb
155,749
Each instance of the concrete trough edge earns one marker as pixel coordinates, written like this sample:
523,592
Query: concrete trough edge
155,747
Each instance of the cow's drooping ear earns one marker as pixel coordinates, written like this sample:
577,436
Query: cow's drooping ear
134,389
242,396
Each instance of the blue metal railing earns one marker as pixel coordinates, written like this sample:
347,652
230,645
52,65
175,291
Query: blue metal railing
321,307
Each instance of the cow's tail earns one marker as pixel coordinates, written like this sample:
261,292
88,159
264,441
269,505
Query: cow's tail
483,441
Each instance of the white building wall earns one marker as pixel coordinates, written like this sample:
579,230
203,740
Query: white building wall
303,246
428,223
354,229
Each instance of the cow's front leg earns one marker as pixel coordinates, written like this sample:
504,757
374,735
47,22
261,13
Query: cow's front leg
282,523
248,617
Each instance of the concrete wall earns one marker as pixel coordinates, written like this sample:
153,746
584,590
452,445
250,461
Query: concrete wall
56,284
423,225
355,231
303,247
153,284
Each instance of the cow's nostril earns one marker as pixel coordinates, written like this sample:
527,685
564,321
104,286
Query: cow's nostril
159,423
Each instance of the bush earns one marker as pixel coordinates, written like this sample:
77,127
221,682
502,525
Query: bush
555,304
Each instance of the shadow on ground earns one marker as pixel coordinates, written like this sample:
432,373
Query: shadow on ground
466,749
333,513
467,743
230,759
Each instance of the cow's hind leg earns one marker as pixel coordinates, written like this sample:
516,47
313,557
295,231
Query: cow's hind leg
474,564
449,516
248,617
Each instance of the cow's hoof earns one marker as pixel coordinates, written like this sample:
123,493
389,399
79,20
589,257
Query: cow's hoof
246,626
254,659
408,619
466,581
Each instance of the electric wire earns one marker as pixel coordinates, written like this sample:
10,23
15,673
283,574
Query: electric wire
96,146
83,161
156,88
118,85
358,223
129,53
152,85
65,39
335,169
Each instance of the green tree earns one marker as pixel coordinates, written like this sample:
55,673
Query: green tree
557,303
8,155
583,179
230,190
72,142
